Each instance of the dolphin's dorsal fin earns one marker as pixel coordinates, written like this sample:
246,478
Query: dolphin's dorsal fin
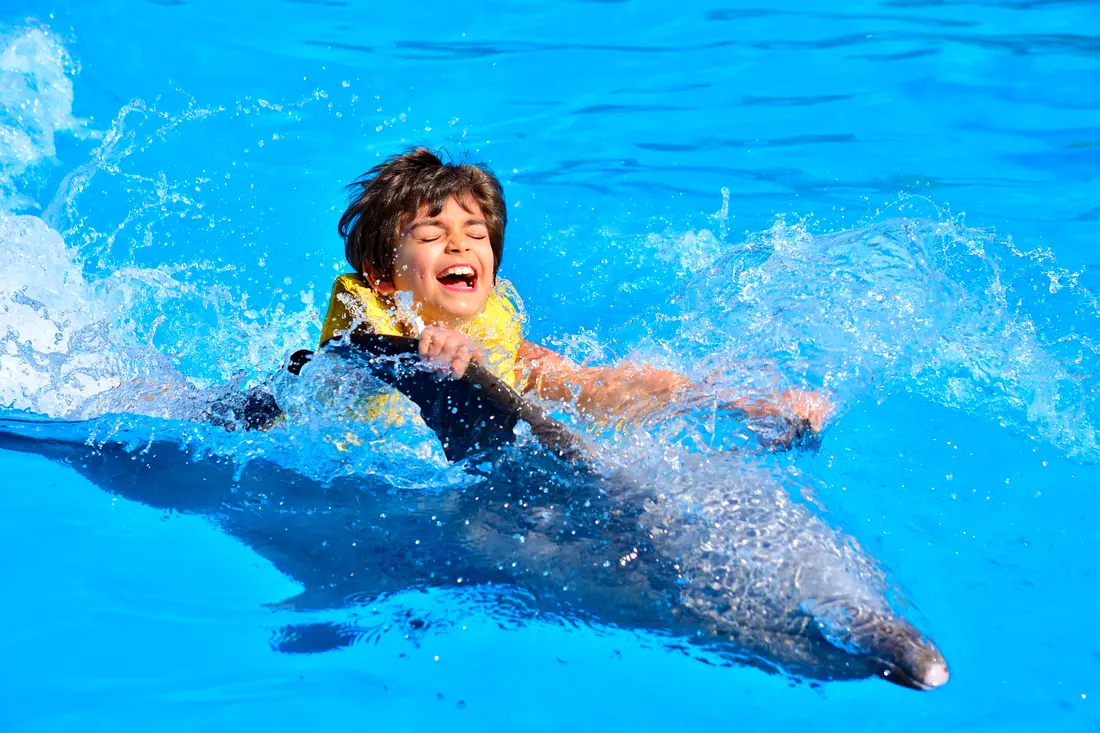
477,412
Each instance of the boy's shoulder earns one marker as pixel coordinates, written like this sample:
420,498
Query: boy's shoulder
351,282
354,301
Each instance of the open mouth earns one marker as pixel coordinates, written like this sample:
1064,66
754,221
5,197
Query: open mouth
458,278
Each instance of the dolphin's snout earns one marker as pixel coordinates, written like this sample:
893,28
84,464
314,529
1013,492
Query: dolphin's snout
912,661
936,675
896,651
929,677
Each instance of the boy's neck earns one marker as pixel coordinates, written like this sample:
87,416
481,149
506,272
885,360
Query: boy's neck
414,317
455,322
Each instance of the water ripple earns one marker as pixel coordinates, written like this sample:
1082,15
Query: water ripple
715,143
802,101
605,108
345,46
726,14
999,4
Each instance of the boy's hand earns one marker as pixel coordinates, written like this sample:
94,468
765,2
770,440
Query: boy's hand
448,350
810,406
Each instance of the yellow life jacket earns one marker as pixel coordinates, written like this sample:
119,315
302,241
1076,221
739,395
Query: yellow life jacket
354,304
498,329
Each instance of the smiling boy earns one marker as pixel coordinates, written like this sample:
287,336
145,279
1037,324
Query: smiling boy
416,226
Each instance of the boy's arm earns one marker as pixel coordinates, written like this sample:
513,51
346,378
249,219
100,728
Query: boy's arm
631,391
624,390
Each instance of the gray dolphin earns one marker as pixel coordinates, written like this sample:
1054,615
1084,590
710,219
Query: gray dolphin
698,550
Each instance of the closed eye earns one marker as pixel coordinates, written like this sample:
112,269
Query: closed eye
429,234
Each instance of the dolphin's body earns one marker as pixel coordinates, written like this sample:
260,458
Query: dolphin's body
695,549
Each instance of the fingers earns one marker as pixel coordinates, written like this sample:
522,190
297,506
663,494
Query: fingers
820,409
448,351
815,408
431,343
461,360
825,411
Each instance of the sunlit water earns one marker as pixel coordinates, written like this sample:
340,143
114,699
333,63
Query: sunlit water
759,198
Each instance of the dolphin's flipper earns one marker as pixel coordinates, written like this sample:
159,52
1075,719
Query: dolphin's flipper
314,638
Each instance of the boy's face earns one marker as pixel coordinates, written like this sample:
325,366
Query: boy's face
446,262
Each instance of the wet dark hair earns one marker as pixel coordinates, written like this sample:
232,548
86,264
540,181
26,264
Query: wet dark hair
389,196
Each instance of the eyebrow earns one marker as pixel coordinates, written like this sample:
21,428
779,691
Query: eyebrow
439,223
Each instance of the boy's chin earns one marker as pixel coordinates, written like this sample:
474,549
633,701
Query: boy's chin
457,311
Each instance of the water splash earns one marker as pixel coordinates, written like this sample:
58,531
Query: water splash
932,306
83,319
36,103
90,316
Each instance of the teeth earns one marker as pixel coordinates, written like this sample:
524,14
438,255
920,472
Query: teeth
457,270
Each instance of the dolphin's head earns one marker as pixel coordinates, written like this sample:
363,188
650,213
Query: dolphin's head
878,642
923,668
899,653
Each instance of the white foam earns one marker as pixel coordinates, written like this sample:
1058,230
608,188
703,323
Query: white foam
36,103
931,306
53,343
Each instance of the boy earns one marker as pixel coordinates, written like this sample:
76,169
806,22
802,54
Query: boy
418,227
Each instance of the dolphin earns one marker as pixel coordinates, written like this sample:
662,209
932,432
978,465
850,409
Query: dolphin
700,550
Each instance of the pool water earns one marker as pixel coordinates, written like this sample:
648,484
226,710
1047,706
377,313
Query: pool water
897,202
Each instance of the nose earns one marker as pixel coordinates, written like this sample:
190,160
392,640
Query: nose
457,243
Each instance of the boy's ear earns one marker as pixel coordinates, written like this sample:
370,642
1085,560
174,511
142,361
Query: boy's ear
382,286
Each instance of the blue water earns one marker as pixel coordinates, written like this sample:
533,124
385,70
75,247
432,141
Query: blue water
897,201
